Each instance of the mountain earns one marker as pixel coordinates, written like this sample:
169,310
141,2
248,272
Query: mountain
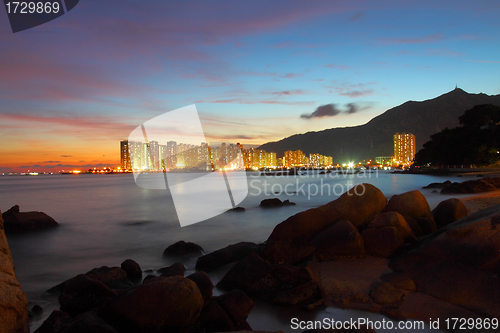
375,138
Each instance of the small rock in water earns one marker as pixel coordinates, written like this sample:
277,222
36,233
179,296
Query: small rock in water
133,270
173,270
182,248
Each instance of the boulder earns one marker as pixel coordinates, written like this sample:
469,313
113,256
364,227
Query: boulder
393,219
382,242
89,322
17,222
290,240
112,277
57,322
341,240
182,248
213,318
81,294
133,270
175,269
359,205
259,277
166,304
226,255
460,263
410,204
449,211
236,304
204,283
13,301
386,294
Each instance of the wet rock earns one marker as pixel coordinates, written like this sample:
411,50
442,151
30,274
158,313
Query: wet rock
176,269
182,248
341,240
236,304
132,268
204,283
81,294
17,222
438,185
269,203
36,310
257,276
226,255
166,304
449,211
112,277
410,204
382,242
290,240
13,301
89,322
57,322
237,209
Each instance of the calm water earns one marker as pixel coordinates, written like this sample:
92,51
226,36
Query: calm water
105,219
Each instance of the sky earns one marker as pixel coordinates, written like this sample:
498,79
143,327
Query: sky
257,71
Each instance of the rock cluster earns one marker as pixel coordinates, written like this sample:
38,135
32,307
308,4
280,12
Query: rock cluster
275,202
105,300
470,186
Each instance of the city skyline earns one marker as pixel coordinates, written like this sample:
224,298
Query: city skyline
257,71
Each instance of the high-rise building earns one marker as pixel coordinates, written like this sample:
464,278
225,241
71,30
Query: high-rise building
404,148
124,155
293,158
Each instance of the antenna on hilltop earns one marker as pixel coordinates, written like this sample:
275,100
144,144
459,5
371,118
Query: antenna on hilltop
456,86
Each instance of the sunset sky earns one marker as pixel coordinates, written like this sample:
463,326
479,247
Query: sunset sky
72,88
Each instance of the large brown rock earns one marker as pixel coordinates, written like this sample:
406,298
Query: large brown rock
236,304
341,240
204,283
259,277
460,263
382,242
81,294
132,268
412,204
290,240
449,211
13,301
359,205
57,322
17,222
89,322
229,254
393,219
112,277
165,304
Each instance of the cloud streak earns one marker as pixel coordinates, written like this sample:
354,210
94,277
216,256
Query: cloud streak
408,40
331,110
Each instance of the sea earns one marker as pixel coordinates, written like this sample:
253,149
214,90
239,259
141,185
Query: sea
106,218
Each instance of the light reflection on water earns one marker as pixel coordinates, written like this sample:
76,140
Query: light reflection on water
105,219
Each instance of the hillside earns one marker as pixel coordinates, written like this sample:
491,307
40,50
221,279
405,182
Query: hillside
375,137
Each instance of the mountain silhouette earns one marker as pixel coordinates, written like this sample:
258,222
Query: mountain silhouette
375,138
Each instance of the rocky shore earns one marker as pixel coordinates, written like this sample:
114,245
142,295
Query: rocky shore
361,251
